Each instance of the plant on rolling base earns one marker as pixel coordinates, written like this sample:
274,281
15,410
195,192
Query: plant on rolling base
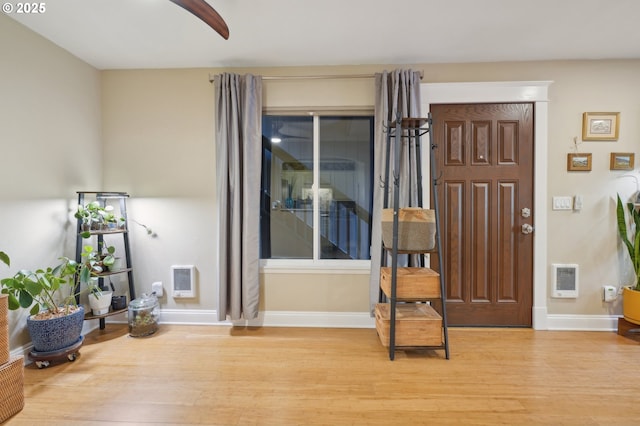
630,235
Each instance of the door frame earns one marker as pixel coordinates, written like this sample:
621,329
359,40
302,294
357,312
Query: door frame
535,92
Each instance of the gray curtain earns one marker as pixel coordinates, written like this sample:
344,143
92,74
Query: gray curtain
398,90
238,165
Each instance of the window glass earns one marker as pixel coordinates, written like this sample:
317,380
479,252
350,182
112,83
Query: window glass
345,187
320,201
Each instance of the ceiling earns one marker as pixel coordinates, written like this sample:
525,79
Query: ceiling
121,34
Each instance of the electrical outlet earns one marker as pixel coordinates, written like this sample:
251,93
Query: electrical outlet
609,293
157,288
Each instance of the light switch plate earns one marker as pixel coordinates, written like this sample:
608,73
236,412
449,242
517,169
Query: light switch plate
562,203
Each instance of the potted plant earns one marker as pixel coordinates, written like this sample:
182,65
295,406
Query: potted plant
95,263
100,302
99,261
96,217
55,320
630,236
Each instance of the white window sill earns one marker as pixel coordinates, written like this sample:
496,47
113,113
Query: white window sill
308,266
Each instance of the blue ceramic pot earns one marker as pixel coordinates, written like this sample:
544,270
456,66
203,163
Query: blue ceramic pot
55,334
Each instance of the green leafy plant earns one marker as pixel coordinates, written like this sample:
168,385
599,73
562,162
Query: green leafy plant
51,289
630,235
108,256
96,261
4,257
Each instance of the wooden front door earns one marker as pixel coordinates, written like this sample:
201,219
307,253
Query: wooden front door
485,158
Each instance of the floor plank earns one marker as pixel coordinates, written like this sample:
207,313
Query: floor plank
216,375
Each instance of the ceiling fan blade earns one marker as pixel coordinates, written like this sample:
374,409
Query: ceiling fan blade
206,13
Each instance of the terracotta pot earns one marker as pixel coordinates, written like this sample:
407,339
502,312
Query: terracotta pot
631,305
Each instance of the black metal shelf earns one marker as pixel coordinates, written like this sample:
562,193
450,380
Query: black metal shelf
109,273
397,131
102,197
107,231
111,312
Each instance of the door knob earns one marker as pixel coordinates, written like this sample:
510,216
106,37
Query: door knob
527,229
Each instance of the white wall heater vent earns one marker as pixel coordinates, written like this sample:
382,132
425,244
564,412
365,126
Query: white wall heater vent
183,280
564,280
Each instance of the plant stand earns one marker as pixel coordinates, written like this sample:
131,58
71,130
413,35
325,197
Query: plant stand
115,199
43,359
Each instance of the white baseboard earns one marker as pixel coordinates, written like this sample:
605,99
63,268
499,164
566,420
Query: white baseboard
540,318
272,319
582,322
360,320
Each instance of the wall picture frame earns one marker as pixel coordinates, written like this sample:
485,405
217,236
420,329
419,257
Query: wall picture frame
579,162
621,161
600,126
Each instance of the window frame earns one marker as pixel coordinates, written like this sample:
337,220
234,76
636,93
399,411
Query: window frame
317,265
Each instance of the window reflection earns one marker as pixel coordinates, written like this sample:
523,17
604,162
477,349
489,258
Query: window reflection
343,191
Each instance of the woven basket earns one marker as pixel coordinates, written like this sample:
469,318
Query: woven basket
4,330
11,388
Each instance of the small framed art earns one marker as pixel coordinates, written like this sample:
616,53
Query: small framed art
579,162
600,126
621,161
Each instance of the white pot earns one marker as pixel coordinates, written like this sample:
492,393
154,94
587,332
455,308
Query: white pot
100,304
118,264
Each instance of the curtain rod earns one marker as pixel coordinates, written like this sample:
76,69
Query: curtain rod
314,77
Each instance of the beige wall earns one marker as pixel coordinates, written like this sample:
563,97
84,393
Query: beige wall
50,147
158,143
134,100
65,126
589,237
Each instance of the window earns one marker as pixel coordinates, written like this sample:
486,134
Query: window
316,196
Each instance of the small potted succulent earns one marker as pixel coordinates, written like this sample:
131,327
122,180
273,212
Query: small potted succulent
95,217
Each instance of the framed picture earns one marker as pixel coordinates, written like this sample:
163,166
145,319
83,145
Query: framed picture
600,126
621,161
579,162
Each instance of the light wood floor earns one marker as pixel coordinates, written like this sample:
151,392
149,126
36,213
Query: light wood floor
214,375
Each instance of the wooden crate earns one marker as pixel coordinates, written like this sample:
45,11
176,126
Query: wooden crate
4,330
11,388
417,324
416,229
411,283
